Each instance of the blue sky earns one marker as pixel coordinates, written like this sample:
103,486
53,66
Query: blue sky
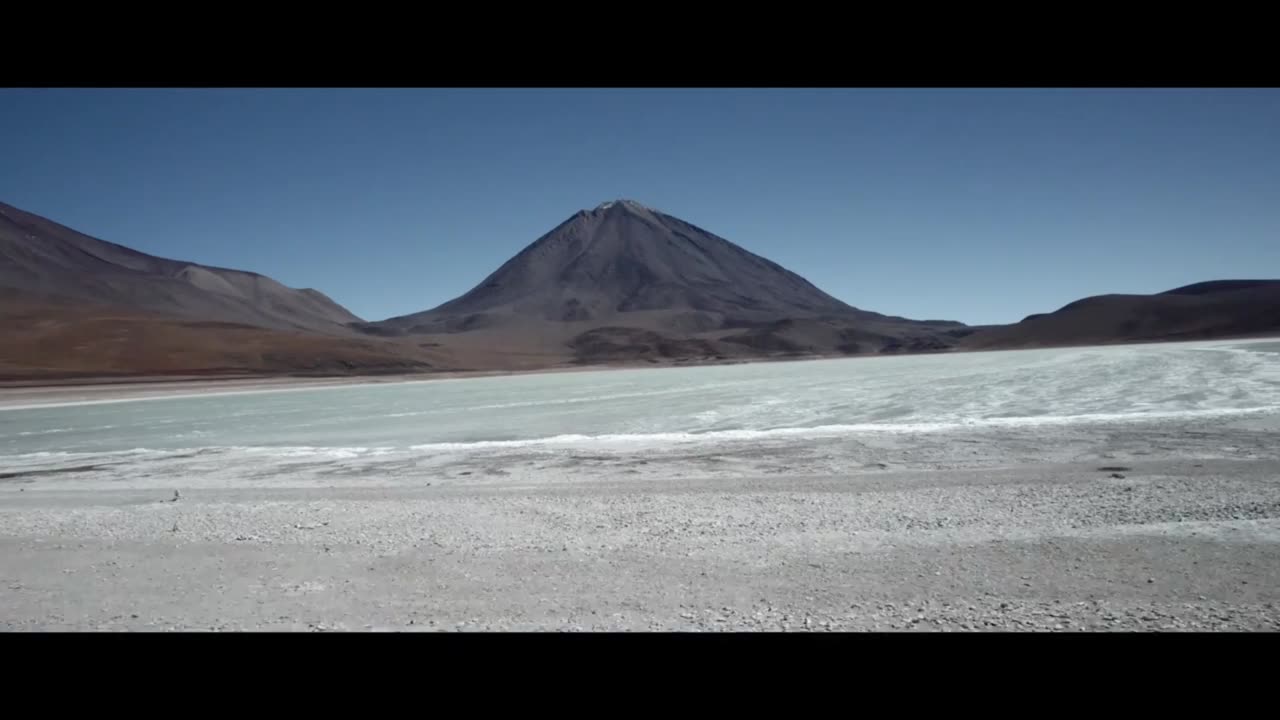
975,205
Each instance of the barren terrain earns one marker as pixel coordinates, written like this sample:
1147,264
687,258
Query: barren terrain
1151,526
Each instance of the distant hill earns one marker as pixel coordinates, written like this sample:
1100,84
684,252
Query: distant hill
68,338
72,305
1207,310
45,259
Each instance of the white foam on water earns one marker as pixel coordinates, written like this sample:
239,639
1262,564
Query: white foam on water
819,431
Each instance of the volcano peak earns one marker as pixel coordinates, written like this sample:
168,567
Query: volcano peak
623,203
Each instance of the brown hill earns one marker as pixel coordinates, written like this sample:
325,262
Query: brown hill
44,259
1215,309
53,339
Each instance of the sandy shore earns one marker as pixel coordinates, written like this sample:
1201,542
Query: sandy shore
31,394
1153,526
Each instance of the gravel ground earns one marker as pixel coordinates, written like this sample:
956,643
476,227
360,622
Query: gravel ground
1150,527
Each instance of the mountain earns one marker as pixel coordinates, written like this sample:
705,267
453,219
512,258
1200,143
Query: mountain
625,281
72,306
1207,310
625,258
622,283
46,260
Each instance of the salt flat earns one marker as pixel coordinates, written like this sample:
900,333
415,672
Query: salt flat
1110,488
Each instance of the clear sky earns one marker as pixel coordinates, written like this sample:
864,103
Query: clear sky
973,205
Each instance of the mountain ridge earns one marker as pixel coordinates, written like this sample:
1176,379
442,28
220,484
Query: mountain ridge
1204,310
621,283
45,258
